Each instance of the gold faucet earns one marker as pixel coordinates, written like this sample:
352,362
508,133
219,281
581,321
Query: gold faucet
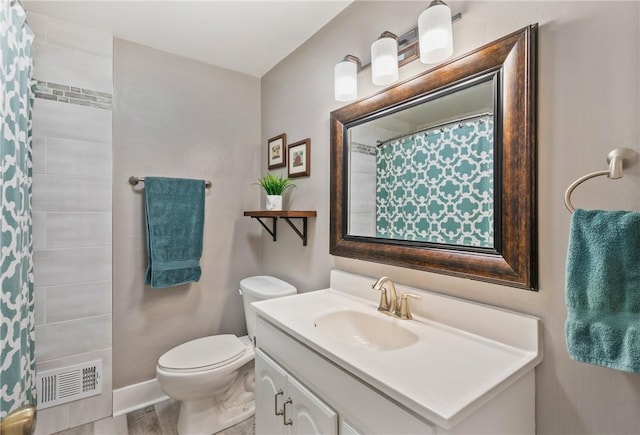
390,303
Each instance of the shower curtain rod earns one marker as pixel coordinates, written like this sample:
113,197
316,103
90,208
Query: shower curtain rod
431,127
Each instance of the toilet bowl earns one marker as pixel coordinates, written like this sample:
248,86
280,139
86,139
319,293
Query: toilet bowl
213,377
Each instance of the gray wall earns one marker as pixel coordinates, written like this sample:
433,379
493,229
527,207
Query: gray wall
72,209
179,118
589,103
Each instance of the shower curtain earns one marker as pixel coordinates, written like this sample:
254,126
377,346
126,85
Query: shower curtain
17,359
437,185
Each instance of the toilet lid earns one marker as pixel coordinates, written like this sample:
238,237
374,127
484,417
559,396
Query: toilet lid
204,352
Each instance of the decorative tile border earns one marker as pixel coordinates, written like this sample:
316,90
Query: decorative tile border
73,95
363,149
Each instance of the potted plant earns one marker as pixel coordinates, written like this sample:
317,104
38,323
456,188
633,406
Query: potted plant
275,186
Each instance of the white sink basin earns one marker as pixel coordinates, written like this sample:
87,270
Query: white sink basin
373,332
453,357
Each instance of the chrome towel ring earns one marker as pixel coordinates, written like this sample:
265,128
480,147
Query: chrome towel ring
618,159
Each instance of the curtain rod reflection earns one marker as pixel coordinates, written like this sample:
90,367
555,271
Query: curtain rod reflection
432,127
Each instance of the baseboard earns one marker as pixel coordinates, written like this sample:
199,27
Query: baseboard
137,396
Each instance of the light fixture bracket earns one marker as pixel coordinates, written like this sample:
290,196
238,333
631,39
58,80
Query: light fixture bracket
408,49
408,45
354,59
387,34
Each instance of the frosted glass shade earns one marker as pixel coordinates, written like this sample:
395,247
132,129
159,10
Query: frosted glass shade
346,81
384,61
436,33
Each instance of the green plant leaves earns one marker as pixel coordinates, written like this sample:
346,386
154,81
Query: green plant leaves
275,185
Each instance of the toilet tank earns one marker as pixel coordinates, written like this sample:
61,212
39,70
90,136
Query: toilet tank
258,288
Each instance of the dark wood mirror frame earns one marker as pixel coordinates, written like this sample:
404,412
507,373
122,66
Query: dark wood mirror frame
514,261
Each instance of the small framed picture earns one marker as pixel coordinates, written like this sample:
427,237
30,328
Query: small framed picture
277,151
300,159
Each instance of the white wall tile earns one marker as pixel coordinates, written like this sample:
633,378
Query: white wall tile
52,364
362,163
72,67
58,340
74,157
362,225
92,408
38,24
52,420
95,407
40,302
39,155
39,230
76,37
69,266
72,200
70,121
76,301
71,193
75,230
362,193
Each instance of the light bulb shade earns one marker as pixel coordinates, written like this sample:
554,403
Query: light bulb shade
436,33
384,61
346,81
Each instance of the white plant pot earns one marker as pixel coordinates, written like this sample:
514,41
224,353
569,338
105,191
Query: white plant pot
274,202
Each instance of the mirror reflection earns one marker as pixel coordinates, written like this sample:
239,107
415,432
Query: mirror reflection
425,171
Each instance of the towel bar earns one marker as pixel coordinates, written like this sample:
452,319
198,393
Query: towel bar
133,180
618,159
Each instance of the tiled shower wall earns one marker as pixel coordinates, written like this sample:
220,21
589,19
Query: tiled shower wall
72,209
362,217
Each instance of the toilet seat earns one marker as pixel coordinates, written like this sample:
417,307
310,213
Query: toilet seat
203,354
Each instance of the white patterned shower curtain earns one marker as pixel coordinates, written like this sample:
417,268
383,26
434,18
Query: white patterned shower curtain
437,185
17,359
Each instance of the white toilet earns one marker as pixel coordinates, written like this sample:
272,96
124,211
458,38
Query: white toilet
213,377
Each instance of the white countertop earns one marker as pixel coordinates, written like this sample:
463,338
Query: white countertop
446,375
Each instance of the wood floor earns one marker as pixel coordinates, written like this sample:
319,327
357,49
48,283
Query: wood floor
159,419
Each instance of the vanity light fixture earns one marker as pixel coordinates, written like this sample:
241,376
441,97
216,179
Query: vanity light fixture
384,59
346,78
436,33
431,41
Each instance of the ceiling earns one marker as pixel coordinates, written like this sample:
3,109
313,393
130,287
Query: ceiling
250,37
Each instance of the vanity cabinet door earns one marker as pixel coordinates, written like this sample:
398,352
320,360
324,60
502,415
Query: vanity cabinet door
271,381
286,407
309,414
347,429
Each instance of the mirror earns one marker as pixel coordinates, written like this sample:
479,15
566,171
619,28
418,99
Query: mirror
437,173
425,172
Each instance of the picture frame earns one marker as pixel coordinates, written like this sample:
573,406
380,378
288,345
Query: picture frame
299,155
277,151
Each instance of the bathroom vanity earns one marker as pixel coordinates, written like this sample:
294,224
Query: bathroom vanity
329,362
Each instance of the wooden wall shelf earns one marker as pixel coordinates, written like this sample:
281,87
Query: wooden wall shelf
287,215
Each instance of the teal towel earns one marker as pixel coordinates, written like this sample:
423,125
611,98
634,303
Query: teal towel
175,223
603,289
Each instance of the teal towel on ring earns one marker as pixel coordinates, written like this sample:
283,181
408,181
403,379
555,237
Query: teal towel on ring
174,209
603,289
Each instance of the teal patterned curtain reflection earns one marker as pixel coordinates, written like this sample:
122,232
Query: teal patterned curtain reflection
17,362
437,185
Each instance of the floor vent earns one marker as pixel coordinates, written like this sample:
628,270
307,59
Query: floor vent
70,383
